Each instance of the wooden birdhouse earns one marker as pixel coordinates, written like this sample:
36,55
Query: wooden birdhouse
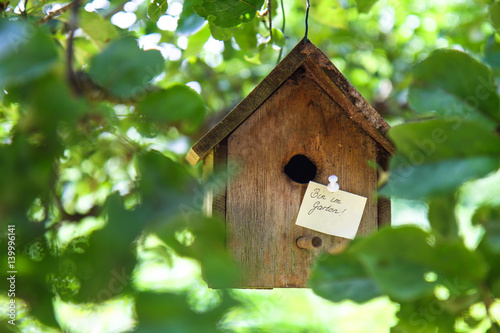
303,122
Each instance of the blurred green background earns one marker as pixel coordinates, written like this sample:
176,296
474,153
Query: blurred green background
94,173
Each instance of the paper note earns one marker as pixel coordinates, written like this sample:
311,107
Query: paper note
335,213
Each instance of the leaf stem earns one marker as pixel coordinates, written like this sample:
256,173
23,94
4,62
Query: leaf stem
282,31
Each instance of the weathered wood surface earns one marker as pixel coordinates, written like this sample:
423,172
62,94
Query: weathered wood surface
221,174
348,98
262,202
355,98
384,204
328,76
384,212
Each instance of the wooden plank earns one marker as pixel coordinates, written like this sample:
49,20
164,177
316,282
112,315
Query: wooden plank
208,169
384,204
358,109
384,212
263,203
221,179
248,105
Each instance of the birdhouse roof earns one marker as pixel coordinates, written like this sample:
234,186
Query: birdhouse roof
327,76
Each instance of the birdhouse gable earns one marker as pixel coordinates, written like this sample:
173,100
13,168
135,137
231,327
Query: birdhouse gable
305,57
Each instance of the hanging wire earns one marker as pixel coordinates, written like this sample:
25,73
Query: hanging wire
307,21
270,9
284,18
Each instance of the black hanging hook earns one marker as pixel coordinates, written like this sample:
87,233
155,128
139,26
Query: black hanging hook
307,21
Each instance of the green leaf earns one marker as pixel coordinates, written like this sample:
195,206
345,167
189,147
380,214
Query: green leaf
428,315
27,173
495,327
105,268
26,53
457,267
189,22
342,277
156,9
34,263
246,36
401,261
124,69
489,217
28,160
329,13
196,42
278,38
99,30
492,257
51,99
442,217
451,82
166,188
435,157
217,267
177,105
494,11
406,181
227,13
437,140
398,260
219,33
165,312
170,194
162,180
492,53
364,6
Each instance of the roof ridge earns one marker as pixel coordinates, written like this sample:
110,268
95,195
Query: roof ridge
329,78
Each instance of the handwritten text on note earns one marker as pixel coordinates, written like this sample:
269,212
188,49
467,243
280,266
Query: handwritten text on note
338,213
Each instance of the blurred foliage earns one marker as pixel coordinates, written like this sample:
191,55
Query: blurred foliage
100,100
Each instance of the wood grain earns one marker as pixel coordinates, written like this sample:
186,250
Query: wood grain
220,171
263,203
384,204
384,212
349,99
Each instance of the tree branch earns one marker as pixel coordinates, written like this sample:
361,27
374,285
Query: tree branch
94,92
73,25
57,12
115,10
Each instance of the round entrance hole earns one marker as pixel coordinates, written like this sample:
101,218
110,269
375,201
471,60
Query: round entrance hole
300,169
